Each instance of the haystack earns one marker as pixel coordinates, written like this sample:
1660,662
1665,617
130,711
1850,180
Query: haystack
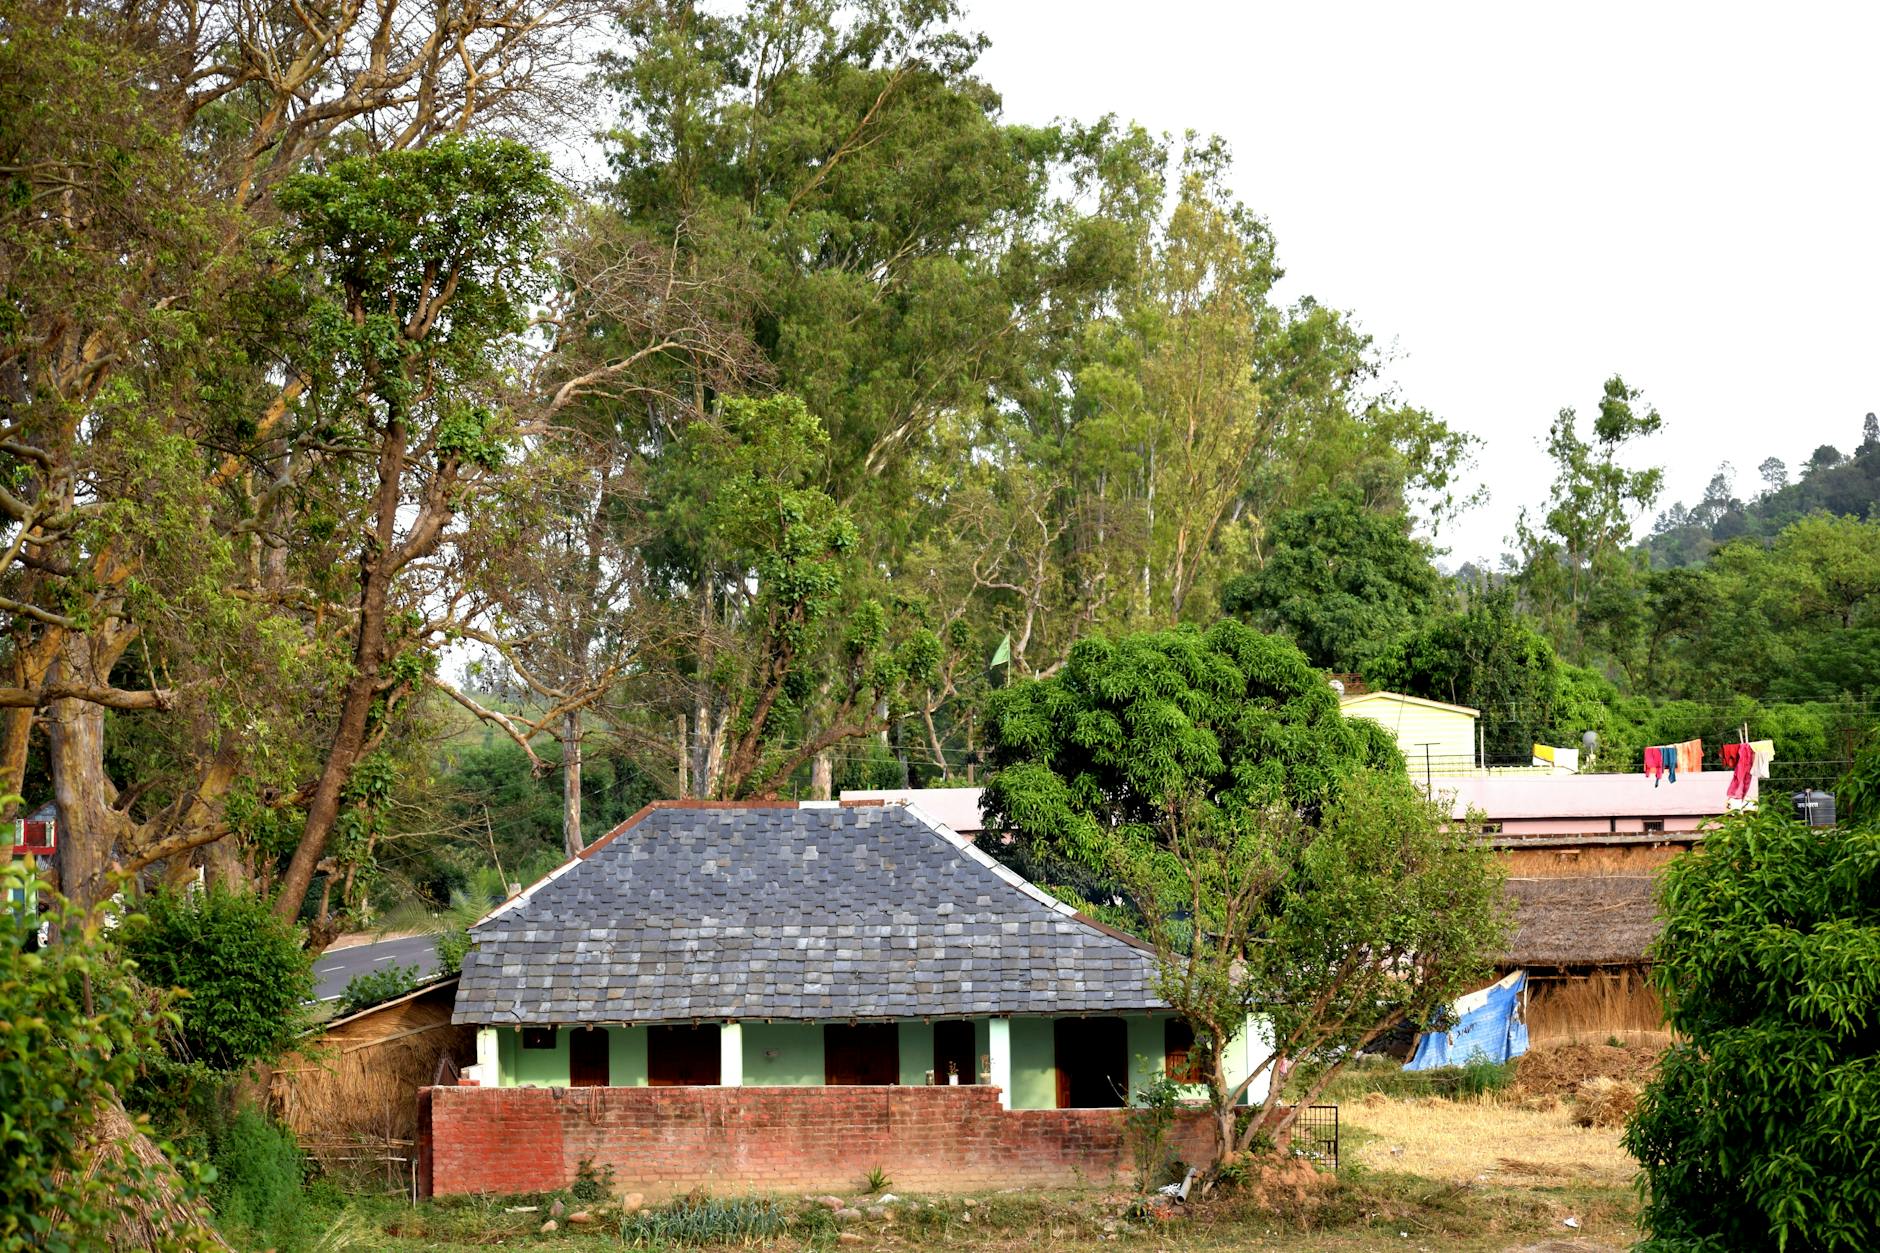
350,1094
160,1218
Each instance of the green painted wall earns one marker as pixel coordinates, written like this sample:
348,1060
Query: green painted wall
542,1068
626,1057
1034,1064
916,1052
1147,1050
982,1045
799,1059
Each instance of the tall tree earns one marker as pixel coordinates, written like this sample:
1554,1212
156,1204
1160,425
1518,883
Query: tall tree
427,261
1341,581
146,387
1586,529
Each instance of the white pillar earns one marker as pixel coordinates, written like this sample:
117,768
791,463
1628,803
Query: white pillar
489,1069
731,1055
999,1044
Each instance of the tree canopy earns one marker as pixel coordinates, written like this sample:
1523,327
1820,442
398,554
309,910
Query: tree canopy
1762,1123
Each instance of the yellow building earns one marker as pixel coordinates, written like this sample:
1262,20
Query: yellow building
1434,737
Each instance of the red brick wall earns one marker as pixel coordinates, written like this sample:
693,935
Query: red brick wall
663,1141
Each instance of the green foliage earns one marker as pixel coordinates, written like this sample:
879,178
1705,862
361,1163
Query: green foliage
1343,582
376,987
1763,1123
876,1180
73,1023
244,976
1488,658
1280,859
259,1175
592,1183
1152,1109
1228,715
452,946
705,1220
1587,527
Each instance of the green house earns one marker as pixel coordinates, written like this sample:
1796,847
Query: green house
787,945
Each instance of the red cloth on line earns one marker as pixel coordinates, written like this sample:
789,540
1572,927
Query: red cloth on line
1654,763
1739,781
1730,754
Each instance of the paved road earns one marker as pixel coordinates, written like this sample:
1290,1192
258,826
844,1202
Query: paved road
337,967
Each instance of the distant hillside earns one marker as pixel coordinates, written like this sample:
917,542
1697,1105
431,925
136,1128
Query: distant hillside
1829,481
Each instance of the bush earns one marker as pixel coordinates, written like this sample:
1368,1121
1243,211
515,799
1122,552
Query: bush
1763,1125
452,945
245,976
72,1024
259,1174
375,988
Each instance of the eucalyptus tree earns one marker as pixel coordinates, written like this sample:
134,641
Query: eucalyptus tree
146,388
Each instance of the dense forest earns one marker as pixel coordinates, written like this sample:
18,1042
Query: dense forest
378,509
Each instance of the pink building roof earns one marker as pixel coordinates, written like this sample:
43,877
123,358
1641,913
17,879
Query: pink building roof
1584,796
956,808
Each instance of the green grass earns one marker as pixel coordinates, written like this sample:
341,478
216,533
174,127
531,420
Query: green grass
1380,1074
1362,1210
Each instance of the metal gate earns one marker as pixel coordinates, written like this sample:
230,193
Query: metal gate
1315,1135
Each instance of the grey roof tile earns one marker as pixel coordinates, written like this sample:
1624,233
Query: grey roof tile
790,913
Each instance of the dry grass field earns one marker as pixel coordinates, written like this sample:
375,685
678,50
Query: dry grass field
1488,1141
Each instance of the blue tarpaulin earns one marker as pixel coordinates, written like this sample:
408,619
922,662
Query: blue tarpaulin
1487,1022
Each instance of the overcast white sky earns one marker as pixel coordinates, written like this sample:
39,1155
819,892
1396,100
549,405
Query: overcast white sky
1523,199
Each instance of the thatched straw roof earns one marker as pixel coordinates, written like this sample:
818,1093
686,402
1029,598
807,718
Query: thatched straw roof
1583,920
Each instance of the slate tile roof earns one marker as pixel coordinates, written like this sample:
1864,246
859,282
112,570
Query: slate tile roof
791,913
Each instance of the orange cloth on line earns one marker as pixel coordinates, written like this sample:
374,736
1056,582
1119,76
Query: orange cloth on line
1690,756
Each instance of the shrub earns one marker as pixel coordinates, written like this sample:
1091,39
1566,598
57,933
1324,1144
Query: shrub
72,1025
258,1177
1762,1126
378,986
245,976
452,945
592,1183
1146,1127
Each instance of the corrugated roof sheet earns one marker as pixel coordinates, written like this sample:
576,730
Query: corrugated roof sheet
791,913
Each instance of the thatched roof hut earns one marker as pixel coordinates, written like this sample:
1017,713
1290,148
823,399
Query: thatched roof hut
1585,920
350,1093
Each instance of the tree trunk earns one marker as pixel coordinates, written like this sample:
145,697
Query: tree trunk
375,579
90,825
571,839
821,777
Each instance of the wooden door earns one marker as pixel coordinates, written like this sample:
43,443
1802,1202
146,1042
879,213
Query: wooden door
682,1057
866,1054
1092,1063
588,1064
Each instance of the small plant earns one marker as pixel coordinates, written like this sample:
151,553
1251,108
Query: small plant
702,1219
1479,1076
452,945
953,1072
1151,1115
377,987
877,1181
592,1183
